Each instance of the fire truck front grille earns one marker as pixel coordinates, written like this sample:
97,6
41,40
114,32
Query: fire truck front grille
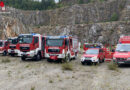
12,47
53,50
121,59
24,48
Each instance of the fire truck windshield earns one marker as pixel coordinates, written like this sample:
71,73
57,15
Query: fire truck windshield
25,39
123,47
54,42
1,44
13,41
92,46
92,51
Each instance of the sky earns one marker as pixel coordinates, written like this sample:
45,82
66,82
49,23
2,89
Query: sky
55,0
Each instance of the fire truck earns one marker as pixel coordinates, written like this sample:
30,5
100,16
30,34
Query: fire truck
61,48
3,47
122,52
108,54
95,53
93,56
13,46
31,46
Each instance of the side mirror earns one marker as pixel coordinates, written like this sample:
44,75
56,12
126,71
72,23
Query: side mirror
100,50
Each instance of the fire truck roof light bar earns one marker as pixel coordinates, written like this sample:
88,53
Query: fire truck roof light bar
57,37
28,34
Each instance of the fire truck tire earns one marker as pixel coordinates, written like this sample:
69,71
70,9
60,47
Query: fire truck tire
23,58
119,65
96,63
75,56
68,58
83,63
49,60
38,57
100,61
5,53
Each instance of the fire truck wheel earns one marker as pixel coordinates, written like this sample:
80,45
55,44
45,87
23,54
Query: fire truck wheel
75,56
38,57
96,63
100,61
119,65
67,59
83,63
23,58
5,53
49,60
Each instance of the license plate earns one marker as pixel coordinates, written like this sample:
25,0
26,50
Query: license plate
24,53
120,62
12,51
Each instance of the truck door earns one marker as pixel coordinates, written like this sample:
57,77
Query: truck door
66,45
6,46
101,54
36,42
71,48
43,47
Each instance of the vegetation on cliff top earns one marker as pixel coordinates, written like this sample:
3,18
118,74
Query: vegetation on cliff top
32,5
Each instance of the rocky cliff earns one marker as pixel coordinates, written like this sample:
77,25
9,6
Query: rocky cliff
10,27
75,14
92,22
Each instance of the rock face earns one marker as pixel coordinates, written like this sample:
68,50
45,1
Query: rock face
75,14
10,27
108,32
90,22
72,2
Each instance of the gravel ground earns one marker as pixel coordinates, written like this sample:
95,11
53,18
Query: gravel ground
42,75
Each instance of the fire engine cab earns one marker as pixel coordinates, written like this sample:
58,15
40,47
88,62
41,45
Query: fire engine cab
63,48
86,46
3,47
122,52
31,46
13,46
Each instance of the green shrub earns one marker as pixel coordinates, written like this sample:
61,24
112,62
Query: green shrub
6,60
102,0
50,81
32,88
114,17
80,2
112,66
67,66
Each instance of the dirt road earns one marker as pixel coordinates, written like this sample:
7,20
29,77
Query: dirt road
30,75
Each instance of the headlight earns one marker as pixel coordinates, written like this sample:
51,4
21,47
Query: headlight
128,58
94,59
114,58
82,58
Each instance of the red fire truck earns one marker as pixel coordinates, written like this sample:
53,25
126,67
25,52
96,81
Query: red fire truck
93,56
31,46
108,54
63,48
3,47
13,46
122,52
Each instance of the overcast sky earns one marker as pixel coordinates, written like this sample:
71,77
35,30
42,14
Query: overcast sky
55,0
